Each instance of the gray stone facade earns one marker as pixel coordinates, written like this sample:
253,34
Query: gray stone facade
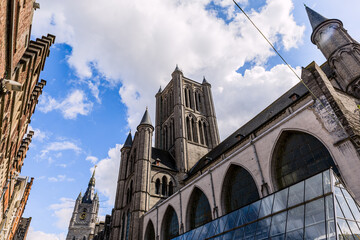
188,156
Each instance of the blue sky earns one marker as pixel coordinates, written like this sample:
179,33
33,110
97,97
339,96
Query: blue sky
109,61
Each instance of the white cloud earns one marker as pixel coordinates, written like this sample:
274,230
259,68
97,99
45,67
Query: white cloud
107,174
59,146
92,159
63,212
74,104
132,43
60,178
39,235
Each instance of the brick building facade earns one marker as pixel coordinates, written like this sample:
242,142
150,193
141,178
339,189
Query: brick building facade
21,61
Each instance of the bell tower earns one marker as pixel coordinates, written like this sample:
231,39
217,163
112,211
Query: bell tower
186,123
84,217
340,49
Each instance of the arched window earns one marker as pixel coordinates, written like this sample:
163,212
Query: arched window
186,97
170,224
194,130
171,188
128,225
123,227
164,186
127,196
188,127
206,134
298,156
199,211
196,101
74,238
157,186
239,189
131,191
150,232
84,238
201,134
199,100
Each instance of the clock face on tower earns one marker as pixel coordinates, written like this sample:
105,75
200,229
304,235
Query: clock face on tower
82,216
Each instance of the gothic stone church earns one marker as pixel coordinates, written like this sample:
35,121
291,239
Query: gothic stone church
289,173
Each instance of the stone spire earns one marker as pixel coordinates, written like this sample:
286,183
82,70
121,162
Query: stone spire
128,142
315,18
90,191
146,118
204,81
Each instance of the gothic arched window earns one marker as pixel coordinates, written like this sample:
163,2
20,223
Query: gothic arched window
157,186
194,130
170,225
188,128
171,188
123,227
128,225
164,186
298,156
201,134
239,189
150,232
206,134
131,191
199,211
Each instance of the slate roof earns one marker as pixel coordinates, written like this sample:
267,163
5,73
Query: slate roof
128,142
166,160
146,118
315,18
266,115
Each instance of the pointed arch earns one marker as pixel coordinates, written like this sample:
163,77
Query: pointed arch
170,224
298,155
171,188
198,209
150,231
194,129
157,186
164,186
239,189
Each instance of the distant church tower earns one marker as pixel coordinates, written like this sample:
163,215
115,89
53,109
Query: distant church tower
186,123
340,49
84,217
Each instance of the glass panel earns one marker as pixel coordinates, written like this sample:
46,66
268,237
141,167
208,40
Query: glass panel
339,212
354,229
313,187
342,204
329,205
331,230
262,229
314,212
200,212
280,200
231,220
295,235
249,231
239,233
345,230
197,232
278,224
352,204
296,194
228,236
252,213
212,228
316,231
221,225
266,205
205,231
279,237
326,181
295,218
242,218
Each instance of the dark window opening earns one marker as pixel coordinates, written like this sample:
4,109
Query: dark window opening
199,209
170,224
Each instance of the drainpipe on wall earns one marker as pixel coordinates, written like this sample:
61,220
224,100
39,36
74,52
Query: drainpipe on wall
264,185
181,217
216,213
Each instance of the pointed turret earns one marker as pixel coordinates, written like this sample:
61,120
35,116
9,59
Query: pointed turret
315,18
205,81
339,49
128,142
146,118
90,191
160,90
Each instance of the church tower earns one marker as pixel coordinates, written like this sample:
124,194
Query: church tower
186,123
340,49
84,217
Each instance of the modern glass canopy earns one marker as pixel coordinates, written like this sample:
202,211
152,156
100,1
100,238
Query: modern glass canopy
319,208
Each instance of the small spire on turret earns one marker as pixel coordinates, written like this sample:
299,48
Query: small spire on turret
128,142
146,118
160,90
89,194
315,18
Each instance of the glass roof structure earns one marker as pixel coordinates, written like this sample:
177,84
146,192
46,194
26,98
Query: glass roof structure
319,208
